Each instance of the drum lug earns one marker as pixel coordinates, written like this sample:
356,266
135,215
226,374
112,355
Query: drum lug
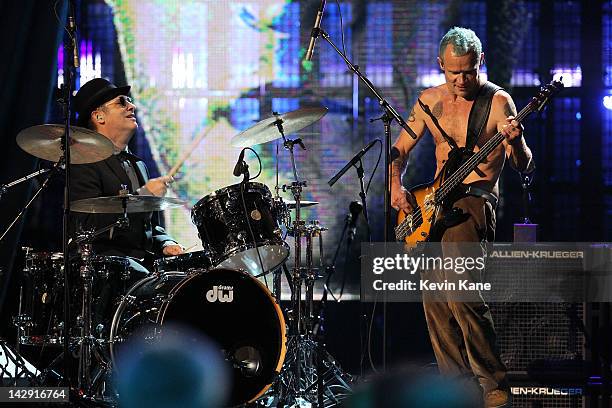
127,299
103,273
22,321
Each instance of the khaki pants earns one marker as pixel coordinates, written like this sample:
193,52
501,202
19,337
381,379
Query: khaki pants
462,333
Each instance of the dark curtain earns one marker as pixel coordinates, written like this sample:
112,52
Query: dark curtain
30,34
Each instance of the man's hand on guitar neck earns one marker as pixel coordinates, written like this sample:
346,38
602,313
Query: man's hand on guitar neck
402,199
512,131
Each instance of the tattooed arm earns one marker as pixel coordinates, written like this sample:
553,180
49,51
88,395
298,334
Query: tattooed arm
517,150
404,144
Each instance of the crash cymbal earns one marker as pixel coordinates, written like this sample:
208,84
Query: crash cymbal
135,204
303,204
45,142
266,130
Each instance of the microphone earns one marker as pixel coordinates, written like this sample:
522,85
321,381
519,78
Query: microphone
315,32
355,208
238,168
354,160
75,43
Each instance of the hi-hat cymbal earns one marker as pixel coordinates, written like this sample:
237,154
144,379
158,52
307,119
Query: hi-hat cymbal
303,203
45,142
114,204
266,130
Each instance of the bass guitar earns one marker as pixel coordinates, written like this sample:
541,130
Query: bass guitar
416,226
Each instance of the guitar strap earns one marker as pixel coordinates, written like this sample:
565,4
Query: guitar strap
451,142
479,114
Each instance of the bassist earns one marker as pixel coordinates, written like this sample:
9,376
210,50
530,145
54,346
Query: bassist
462,334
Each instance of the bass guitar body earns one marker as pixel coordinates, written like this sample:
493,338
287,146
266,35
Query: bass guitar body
415,227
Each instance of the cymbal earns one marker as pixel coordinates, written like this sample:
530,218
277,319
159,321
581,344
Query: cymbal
45,142
135,204
266,130
303,204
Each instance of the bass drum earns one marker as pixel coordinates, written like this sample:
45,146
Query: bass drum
229,307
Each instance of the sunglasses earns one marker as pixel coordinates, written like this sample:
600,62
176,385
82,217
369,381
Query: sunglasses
123,101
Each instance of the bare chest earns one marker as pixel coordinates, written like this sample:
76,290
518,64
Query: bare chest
452,120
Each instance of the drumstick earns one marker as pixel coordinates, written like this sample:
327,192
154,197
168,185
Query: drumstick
190,150
190,248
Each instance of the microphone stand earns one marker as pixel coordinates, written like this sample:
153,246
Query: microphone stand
70,66
4,187
389,115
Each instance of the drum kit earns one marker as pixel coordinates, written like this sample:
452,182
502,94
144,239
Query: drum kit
276,353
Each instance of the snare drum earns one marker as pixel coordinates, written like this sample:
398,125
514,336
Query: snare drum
223,227
229,307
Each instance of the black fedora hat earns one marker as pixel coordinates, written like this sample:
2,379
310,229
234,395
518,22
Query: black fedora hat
93,94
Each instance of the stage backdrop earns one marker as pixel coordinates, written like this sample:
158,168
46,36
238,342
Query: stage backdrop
214,68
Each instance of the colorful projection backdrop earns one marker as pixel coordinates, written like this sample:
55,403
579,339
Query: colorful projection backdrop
214,68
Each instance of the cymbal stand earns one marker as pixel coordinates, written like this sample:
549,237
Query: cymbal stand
321,381
296,188
309,366
89,344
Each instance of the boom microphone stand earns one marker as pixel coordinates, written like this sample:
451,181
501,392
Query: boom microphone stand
71,63
389,115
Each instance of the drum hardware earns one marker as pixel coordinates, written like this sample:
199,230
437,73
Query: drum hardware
310,369
43,271
56,143
190,262
14,369
304,203
310,373
89,346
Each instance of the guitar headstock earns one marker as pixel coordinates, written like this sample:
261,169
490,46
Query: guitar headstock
546,92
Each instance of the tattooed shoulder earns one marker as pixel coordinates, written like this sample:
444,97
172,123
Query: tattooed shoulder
509,108
412,117
437,110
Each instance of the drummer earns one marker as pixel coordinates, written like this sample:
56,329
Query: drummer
106,109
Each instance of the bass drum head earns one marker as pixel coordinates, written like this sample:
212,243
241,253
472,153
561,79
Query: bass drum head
238,313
